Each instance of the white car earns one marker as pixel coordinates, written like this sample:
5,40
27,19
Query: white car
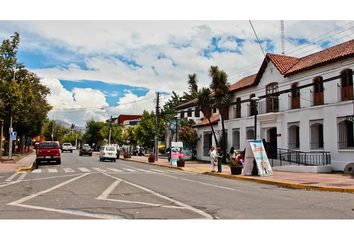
108,153
67,147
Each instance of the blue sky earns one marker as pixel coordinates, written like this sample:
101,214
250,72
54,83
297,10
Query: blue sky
120,65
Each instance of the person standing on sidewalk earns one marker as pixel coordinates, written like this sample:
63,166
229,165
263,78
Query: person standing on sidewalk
214,159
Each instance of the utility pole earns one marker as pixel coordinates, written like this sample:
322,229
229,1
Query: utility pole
157,126
53,128
110,131
10,140
1,134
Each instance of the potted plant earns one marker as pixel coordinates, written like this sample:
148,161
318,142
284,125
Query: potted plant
236,164
126,155
151,157
181,162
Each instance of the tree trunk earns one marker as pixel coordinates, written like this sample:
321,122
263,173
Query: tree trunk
212,129
224,143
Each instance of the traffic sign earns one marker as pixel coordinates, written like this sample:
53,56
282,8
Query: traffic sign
13,135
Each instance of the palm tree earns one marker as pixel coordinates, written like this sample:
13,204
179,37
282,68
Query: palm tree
204,102
192,82
222,98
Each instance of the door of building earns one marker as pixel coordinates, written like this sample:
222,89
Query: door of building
272,143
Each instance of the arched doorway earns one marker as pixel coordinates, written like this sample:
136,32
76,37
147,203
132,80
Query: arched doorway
272,145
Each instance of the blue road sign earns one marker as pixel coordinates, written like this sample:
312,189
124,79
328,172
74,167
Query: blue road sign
13,135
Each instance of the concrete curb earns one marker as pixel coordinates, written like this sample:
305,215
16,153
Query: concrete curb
28,167
283,184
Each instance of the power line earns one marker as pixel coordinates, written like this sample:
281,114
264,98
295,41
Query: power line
254,31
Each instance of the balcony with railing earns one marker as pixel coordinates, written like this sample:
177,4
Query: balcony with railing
288,157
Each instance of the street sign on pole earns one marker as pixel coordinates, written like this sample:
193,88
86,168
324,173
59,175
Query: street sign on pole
13,136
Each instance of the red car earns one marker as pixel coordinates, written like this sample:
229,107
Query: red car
48,151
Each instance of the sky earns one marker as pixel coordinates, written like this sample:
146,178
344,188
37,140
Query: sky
96,69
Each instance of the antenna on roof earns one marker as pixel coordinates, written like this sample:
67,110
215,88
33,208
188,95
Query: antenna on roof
282,37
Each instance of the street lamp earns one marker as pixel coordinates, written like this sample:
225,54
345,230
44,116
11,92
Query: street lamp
255,100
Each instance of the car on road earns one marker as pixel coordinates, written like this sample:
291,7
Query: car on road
108,152
48,151
67,147
86,150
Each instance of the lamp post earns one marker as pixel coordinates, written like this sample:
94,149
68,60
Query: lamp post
255,100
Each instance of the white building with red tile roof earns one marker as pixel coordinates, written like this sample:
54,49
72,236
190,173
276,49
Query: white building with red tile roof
306,107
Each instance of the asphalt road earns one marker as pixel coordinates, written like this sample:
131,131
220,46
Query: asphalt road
83,187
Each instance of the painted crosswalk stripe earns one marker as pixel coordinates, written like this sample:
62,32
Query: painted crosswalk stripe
11,177
84,170
129,170
37,171
115,170
99,169
23,175
156,170
52,170
143,170
68,170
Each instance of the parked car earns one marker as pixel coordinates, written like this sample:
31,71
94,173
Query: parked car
108,152
67,147
48,151
86,150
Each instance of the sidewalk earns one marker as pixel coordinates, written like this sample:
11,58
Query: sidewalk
25,163
311,181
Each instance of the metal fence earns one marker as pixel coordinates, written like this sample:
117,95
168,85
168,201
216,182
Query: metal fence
303,158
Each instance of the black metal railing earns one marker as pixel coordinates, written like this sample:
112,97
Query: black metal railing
303,158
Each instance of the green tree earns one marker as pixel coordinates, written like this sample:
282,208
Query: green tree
205,103
92,134
58,131
22,96
116,134
220,87
193,88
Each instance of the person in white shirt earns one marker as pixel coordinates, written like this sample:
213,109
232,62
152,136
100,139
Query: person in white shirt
213,159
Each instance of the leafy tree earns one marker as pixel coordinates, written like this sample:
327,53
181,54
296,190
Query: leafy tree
193,88
205,103
92,134
22,96
58,131
129,136
222,97
72,137
116,134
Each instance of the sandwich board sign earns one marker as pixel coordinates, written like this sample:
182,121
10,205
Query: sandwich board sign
175,152
255,151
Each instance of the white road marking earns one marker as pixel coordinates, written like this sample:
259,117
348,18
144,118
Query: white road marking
18,203
23,175
52,170
156,170
115,170
189,180
68,170
105,194
84,170
99,169
46,191
129,170
11,177
37,170
143,170
185,206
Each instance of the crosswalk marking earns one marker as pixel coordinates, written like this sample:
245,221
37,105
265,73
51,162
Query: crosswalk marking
52,170
68,170
84,170
115,170
129,170
156,170
23,175
99,169
143,170
11,177
37,171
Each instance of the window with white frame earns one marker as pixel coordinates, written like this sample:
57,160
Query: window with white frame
345,133
316,134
